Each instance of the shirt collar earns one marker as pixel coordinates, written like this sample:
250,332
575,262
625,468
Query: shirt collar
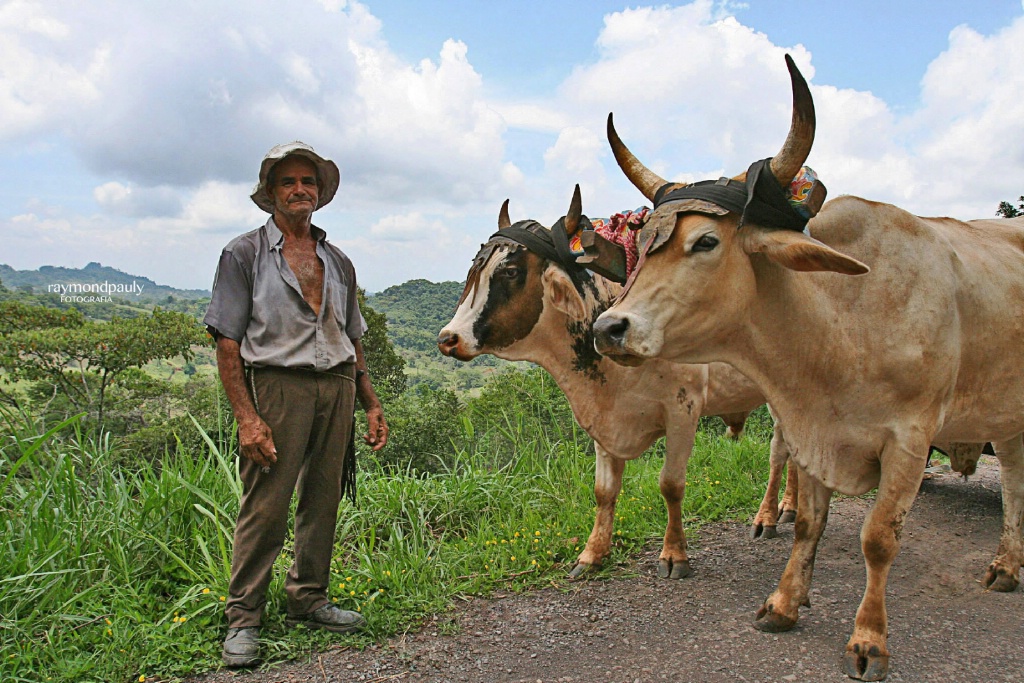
276,238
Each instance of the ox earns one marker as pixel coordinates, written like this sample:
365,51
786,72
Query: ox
865,372
518,305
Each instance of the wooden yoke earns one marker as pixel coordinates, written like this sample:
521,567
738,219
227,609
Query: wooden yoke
602,256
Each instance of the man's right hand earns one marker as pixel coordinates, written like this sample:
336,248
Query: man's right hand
256,442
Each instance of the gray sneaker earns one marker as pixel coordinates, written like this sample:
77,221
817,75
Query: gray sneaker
242,647
329,617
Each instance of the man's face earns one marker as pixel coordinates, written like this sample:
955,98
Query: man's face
294,191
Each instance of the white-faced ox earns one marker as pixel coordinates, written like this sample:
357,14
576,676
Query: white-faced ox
865,368
518,305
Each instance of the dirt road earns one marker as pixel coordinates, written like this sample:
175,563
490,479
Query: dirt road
943,626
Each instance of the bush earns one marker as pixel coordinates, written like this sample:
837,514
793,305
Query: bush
516,402
423,423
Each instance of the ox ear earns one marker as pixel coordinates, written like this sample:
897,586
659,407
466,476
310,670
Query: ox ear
559,290
797,251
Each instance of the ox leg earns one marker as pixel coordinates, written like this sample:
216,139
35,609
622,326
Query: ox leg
782,608
607,484
674,563
867,656
787,510
764,525
1002,574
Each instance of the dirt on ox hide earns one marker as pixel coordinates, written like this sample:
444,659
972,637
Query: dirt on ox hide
943,625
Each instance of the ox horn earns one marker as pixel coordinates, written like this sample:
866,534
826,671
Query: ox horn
786,164
644,179
572,218
503,219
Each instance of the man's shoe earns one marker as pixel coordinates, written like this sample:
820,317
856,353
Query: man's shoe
330,618
242,647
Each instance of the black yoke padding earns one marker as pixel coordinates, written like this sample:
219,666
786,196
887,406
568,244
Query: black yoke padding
551,244
759,200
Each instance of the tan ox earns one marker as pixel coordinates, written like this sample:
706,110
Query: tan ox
865,372
520,306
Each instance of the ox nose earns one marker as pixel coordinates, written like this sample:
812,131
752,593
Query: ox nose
447,342
610,331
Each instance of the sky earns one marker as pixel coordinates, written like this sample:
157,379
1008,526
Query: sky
131,133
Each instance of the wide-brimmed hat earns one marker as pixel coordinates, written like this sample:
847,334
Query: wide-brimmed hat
327,174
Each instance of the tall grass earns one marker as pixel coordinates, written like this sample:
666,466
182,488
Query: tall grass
113,574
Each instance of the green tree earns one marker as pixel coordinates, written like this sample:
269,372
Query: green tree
81,360
1008,210
386,368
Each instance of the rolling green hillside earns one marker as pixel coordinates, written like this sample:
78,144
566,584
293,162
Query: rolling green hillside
55,280
416,312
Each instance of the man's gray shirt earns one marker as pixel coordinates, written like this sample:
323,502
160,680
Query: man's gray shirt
257,301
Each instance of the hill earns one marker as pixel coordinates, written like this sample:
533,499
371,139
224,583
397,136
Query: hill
96,280
416,311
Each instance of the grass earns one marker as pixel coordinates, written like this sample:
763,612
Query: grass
112,574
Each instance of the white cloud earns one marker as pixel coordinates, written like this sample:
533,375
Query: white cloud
171,112
692,88
408,227
42,76
125,200
138,103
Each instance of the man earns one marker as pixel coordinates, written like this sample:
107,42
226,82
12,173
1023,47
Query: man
287,324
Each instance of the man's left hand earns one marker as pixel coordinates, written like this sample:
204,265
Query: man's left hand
377,435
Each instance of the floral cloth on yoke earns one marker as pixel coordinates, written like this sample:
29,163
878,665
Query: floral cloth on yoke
622,229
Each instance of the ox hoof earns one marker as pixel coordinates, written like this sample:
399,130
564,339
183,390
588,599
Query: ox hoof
582,569
787,517
770,621
667,569
763,531
872,666
998,578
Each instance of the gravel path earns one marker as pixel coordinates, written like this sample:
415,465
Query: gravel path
943,626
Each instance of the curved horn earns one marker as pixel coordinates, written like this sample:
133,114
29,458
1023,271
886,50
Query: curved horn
572,218
643,178
503,219
786,164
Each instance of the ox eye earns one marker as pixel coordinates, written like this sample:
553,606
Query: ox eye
511,272
705,243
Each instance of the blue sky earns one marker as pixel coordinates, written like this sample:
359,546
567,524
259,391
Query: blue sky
131,132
